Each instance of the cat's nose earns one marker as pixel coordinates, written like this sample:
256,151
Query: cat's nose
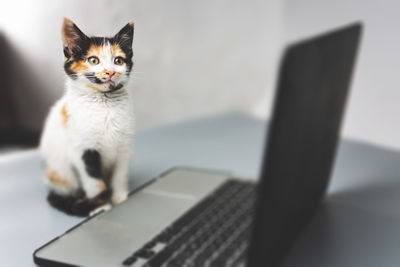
110,74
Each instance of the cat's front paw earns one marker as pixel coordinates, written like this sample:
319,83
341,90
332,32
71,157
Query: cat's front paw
119,197
104,207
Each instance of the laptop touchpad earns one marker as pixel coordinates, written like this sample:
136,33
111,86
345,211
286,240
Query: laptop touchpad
148,211
162,202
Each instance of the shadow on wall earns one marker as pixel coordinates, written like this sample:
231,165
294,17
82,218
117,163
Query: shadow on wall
21,111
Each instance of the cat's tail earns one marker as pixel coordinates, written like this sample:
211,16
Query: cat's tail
78,204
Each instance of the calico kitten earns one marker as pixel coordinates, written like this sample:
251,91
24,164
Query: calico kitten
87,138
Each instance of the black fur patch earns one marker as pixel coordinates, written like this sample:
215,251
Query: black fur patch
77,204
115,88
66,53
69,72
91,77
125,38
81,46
92,160
98,41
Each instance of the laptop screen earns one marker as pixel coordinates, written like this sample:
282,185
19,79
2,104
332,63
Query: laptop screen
313,84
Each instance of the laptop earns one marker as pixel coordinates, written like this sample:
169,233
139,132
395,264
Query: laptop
193,217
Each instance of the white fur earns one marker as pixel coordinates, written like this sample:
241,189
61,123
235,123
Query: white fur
96,120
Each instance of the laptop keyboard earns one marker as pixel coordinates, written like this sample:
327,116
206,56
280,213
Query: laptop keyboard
214,232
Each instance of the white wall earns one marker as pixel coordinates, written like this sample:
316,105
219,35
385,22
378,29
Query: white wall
193,58
373,112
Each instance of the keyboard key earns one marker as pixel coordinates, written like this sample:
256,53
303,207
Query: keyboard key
144,253
150,244
129,261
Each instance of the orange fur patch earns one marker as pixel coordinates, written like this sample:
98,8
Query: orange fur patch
103,72
64,116
56,179
116,51
102,186
78,66
94,50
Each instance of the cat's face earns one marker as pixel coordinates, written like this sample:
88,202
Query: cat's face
101,64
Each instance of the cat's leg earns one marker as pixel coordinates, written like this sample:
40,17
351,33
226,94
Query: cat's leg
89,166
119,179
58,174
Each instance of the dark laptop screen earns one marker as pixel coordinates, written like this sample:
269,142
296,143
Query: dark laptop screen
309,106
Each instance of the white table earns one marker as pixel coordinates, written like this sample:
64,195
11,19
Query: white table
359,224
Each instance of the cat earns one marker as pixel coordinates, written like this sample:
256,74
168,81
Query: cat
86,141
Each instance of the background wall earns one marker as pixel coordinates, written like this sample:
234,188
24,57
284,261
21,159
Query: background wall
373,112
196,58
192,58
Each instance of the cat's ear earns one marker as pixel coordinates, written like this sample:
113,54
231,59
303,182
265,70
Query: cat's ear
125,36
74,40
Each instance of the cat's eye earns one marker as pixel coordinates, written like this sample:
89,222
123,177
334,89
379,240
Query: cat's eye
93,60
118,61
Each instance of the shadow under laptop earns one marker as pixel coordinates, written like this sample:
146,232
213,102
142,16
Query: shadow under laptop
362,165
358,227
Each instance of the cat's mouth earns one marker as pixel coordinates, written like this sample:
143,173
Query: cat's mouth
94,79
112,85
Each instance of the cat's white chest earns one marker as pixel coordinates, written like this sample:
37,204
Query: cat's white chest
104,127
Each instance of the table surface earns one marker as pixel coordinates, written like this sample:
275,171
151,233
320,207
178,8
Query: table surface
358,223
